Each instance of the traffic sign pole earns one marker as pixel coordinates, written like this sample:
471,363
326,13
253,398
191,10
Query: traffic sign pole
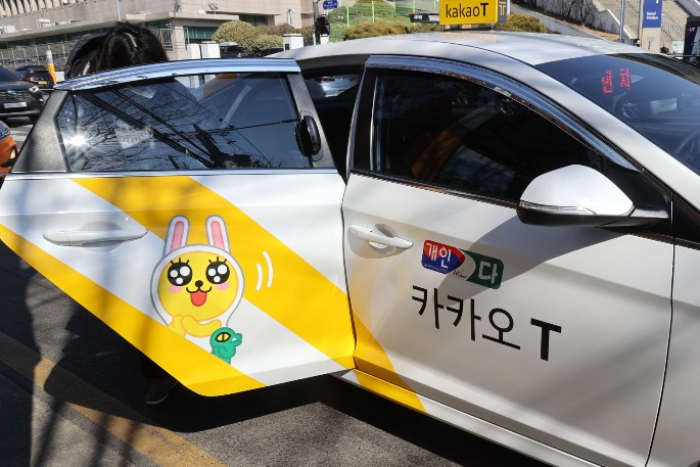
317,36
330,4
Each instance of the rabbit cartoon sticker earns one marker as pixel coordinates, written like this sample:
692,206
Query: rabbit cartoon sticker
196,288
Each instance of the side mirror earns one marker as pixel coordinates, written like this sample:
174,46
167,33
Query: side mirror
579,196
308,136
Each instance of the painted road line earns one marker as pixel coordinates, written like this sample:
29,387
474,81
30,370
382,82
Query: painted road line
162,446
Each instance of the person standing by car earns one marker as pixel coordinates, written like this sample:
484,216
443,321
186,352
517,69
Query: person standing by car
124,45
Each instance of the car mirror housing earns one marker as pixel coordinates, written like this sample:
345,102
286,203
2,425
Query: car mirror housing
577,195
308,136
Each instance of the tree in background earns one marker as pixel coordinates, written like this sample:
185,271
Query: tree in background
234,31
252,39
267,41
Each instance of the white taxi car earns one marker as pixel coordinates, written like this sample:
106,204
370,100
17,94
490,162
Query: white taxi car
499,230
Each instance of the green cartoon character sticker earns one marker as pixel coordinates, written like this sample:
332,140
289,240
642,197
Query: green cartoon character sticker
224,342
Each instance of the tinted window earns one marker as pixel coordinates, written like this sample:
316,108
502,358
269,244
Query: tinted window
198,122
658,96
331,84
6,76
459,135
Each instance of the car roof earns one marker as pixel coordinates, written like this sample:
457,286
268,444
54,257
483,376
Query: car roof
530,48
177,68
32,68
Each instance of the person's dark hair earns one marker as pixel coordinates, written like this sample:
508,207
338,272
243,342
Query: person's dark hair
83,56
126,44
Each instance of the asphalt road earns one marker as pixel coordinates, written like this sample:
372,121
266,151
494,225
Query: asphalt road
71,395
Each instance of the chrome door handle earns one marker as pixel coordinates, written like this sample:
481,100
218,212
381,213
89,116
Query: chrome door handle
79,238
371,236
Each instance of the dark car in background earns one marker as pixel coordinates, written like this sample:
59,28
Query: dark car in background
270,51
233,50
18,98
36,74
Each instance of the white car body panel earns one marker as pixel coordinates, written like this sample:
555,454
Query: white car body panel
273,353
578,401
492,432
678,428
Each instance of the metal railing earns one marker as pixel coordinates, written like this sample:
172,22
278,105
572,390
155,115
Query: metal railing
36,55
351,13
673,30
174,41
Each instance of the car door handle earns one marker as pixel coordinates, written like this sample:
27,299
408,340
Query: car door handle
371,236
79,238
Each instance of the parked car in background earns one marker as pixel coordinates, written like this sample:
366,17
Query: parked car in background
270,51
335,85
18,98
37,74
8,148
232,50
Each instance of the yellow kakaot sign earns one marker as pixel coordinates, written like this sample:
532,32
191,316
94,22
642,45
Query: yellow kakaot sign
473,11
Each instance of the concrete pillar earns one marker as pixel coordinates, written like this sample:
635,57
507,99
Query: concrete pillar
292,41
179,43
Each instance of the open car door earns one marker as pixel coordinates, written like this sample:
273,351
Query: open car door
194,208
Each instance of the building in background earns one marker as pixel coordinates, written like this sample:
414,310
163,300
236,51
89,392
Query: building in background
28,28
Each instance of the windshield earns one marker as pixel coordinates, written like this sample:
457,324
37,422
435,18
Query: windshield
657,96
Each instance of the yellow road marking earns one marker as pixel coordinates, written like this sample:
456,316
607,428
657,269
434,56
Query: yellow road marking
162,446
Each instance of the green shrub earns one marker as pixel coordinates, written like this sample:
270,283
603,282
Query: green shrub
381,28
232,31
417,28
362,13
522,23
266,41
282,29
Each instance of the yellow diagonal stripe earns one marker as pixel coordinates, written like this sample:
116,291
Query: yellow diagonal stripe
191,365
376,371
161,446
301,299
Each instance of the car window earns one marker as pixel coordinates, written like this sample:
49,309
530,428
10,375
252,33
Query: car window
225,121
464,136
7,76
656,95
331,84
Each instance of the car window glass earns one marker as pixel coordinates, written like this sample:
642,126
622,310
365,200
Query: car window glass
225,121
656,95
460,135
7,76
331,85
